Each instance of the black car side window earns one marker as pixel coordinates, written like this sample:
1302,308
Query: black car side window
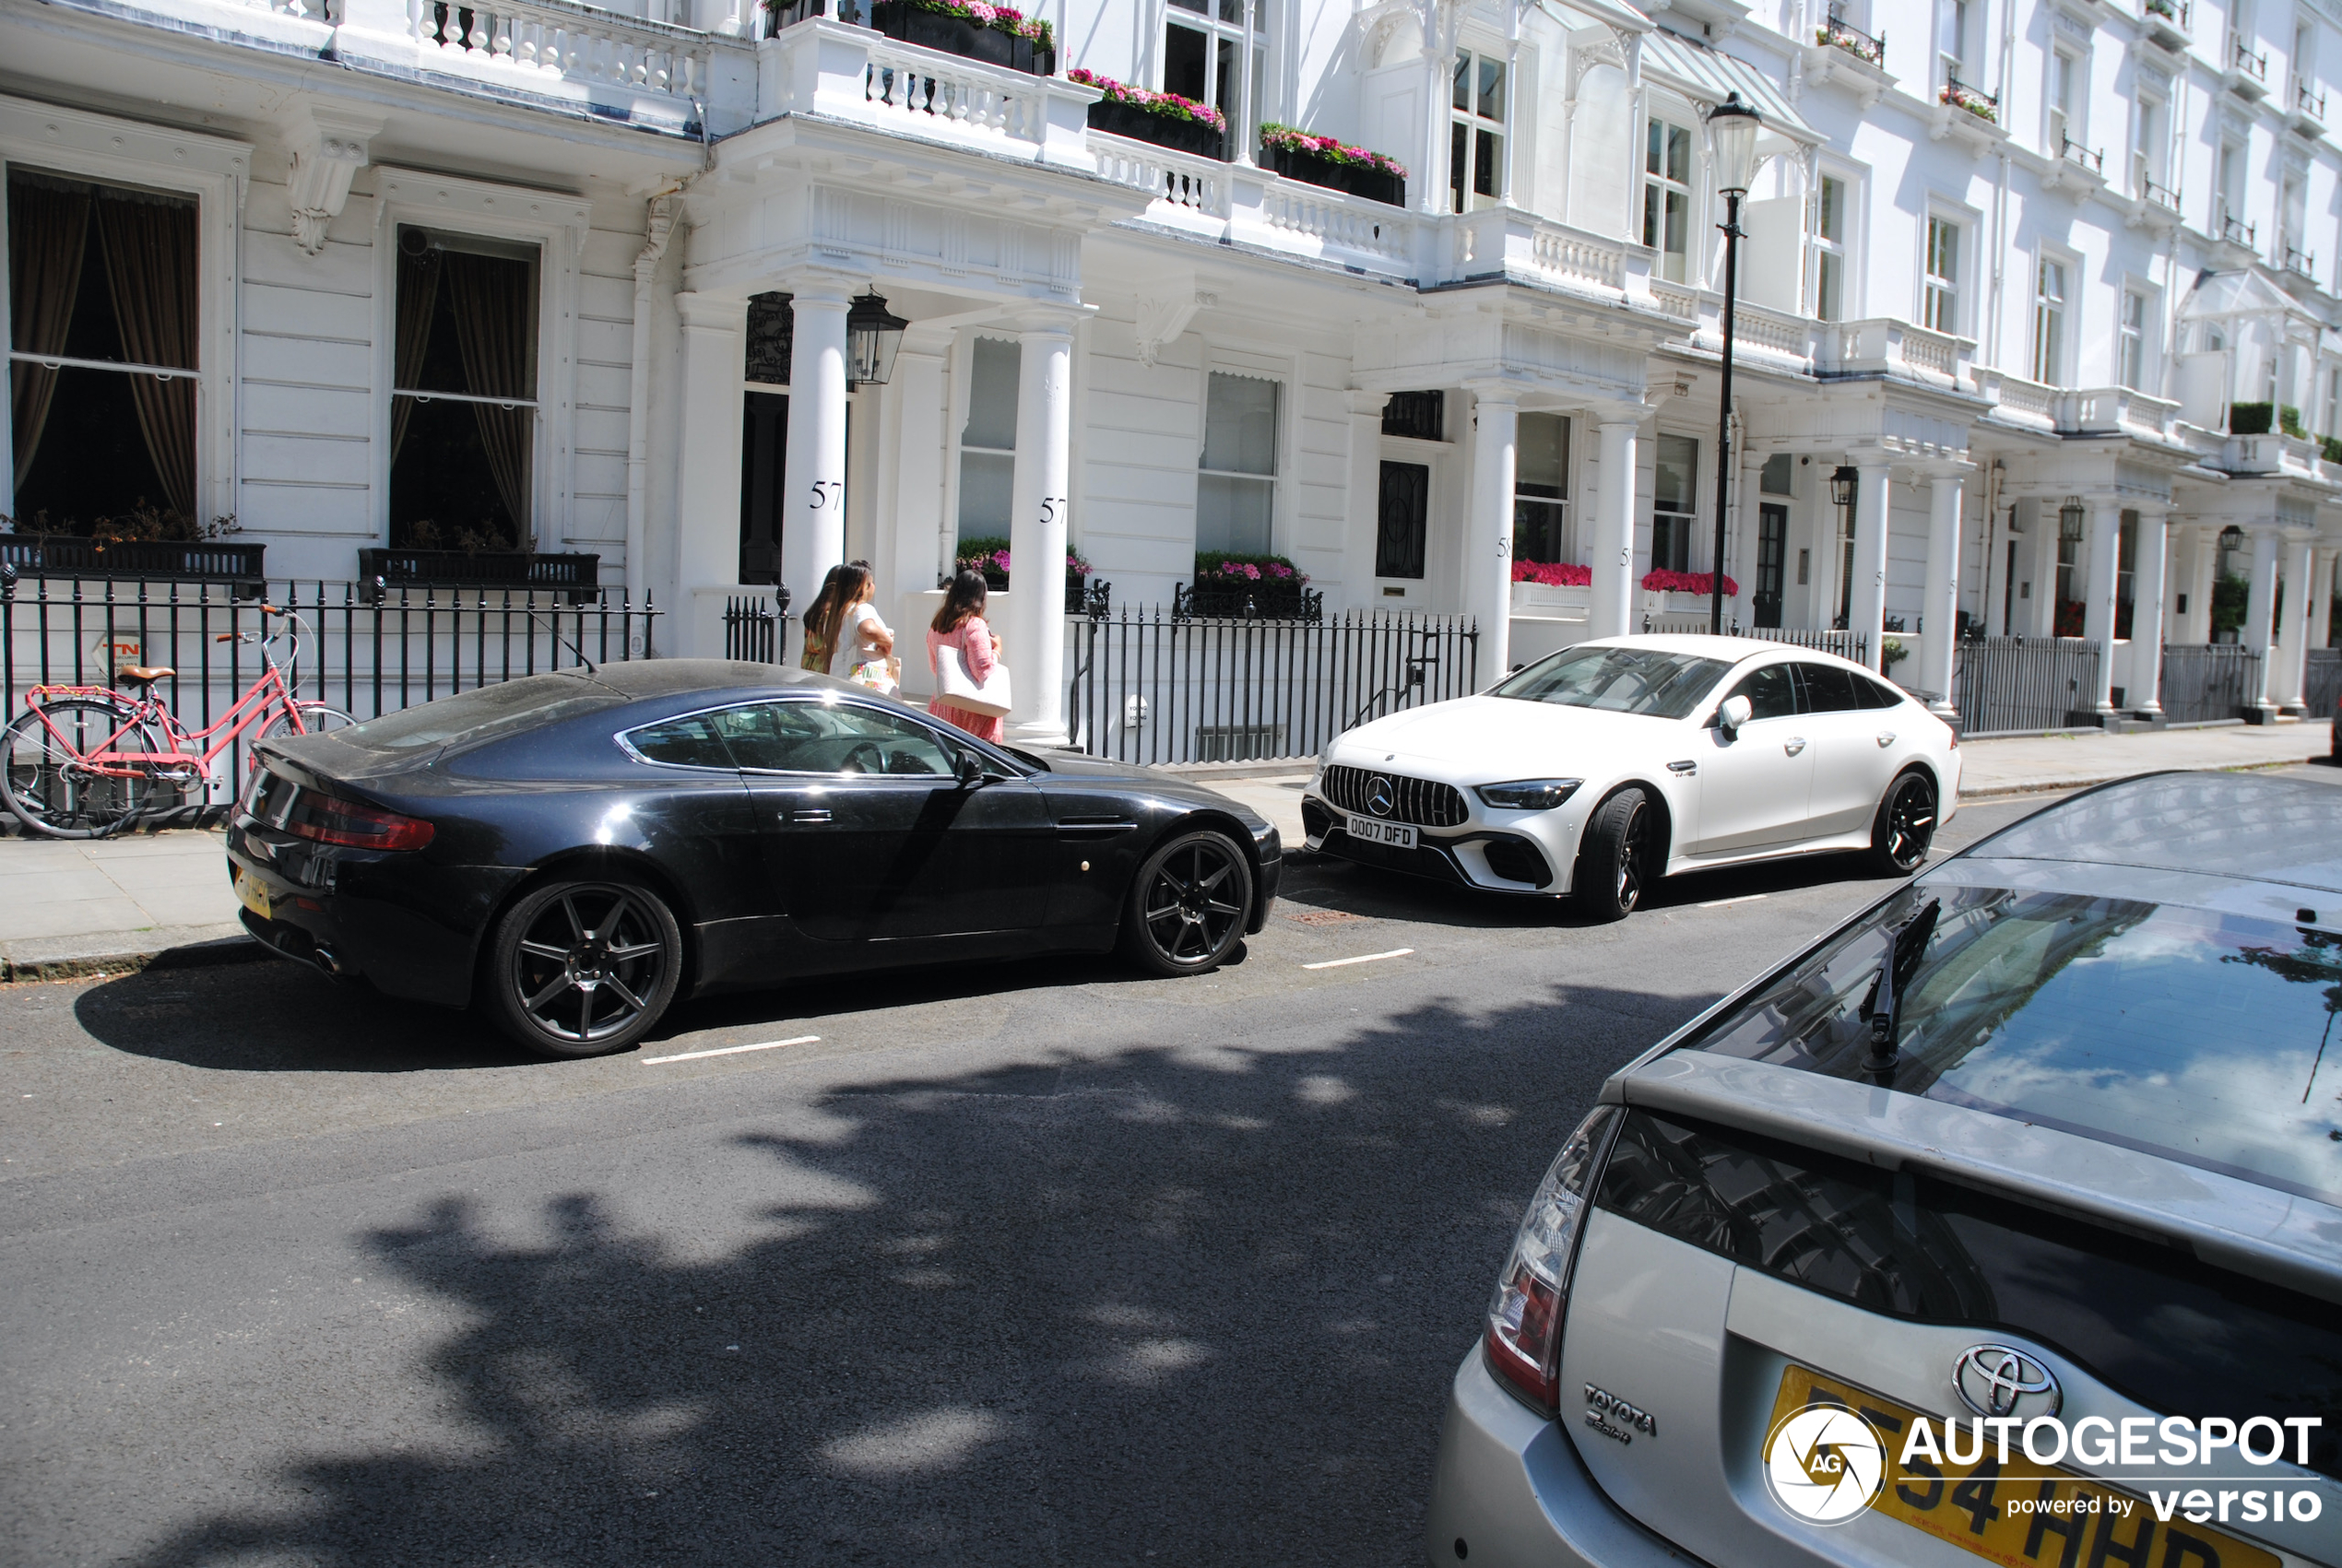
1769,692
687,742
1876,693
1828,690
832,738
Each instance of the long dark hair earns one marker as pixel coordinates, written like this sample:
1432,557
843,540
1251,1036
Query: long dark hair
845,587
964,603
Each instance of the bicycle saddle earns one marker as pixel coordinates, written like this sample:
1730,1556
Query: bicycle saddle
142,675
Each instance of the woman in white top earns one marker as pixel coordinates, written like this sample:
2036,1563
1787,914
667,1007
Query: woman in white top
860,643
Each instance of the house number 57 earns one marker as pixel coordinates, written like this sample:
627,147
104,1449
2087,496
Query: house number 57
828,493
1054,509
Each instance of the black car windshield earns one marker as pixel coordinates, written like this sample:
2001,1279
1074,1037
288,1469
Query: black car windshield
483,711
1620,681
2196,1035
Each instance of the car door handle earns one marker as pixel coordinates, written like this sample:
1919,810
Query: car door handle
816,814
1793,745
1887,738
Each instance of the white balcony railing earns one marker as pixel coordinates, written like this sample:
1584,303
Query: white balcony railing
1183,185
541,46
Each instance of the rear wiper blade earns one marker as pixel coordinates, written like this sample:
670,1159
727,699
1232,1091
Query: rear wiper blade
1905,943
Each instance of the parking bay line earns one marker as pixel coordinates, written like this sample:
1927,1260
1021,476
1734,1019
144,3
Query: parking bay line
731,1050
1367,958
1726,903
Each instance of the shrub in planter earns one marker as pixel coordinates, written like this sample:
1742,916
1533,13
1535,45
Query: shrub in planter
997,35
1224,568
2288,420
1322,160
2330,448
1164,118
1553,575
1891,651
2250,418
989,553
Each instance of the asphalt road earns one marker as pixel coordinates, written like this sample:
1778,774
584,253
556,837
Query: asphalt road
1034,1263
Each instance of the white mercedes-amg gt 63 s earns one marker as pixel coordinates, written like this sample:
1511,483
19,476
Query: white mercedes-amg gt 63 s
1600,769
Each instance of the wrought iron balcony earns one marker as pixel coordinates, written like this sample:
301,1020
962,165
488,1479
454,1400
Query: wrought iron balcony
2081,157
2300,261
1839,34
2247,61
2236,231
1976,101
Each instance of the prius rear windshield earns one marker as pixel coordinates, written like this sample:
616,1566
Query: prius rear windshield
485,711
1620,680
2200,1036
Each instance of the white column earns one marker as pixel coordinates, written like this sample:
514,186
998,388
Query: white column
2105,544
1747,497
2260,622
2149,595
707,501
813,504
1612,559
1034,643
2293,640
1939,611
1366,497
1487,571
2204,575
2322,590
1866,611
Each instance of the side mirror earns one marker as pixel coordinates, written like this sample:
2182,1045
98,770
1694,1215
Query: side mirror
1736,711
971,770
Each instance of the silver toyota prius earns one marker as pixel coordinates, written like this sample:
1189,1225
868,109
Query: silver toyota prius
2005,1222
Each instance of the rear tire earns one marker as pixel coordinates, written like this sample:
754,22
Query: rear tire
1187,904
1614,861
584,968
55,795
1905,827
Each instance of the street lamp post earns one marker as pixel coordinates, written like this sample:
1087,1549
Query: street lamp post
1731,139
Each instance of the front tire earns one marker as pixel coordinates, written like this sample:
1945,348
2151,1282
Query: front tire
584,968
1904,829
1187,906
53,792
1614,865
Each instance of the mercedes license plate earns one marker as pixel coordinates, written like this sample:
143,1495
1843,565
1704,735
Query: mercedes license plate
1393,835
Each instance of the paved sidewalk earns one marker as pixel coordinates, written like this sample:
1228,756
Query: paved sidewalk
78,908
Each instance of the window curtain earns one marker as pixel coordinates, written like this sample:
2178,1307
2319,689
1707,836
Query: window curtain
418,297
48,229
495,332
149,248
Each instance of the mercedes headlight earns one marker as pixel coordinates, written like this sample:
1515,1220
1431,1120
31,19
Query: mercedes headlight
1529,794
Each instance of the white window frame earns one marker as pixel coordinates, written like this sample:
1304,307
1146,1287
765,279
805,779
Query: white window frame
212,169
2049,362
1646,182
557,226
1957,26
1698,539
1818,245
962,398
1255,52
2228,167
1963,231
1573,548
2066,121
2135,341
2150,155
1235,361
1469,57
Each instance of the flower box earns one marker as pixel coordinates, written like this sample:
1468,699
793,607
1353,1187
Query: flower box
1284,599
579,575
973,31
1356,179
73,555
1125,119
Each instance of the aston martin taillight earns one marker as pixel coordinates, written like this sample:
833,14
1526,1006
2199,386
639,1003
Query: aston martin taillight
1523,1341
329,818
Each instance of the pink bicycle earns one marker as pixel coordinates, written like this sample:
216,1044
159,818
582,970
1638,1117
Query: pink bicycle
84,762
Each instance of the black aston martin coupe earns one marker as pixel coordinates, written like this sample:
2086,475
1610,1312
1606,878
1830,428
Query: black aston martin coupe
572,851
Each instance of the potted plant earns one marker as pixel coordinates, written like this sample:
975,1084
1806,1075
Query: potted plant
145,541
1228,583
1322,160
997,35
1553,575
2250,418
989,553
1164,118
1696,583
1959,95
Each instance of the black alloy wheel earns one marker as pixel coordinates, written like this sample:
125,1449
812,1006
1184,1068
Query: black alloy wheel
1905,829
1615,860
1187,904
582,968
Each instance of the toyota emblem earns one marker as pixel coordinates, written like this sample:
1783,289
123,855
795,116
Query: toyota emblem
1999,1380
1380,797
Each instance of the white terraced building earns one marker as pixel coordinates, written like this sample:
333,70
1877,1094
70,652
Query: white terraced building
2038,333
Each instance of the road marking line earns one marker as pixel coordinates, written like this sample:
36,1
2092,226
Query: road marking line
1745,898
1368,958
731,1050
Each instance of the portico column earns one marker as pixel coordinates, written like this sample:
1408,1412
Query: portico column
2097,602
1939,610
1744,549
2204,577
2148,600
707,501
1365,496
1487,572
1612,559
1033,644
2322,595
2260,623
1866,609
813,505
2293,639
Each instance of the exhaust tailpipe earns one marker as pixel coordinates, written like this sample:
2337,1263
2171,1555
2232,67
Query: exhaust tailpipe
326,959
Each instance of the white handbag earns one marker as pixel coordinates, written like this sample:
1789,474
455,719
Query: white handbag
990,698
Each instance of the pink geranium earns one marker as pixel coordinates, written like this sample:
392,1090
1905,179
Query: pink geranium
1553,575
1686,583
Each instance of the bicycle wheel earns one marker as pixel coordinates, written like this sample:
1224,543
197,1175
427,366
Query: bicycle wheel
315,717
55,792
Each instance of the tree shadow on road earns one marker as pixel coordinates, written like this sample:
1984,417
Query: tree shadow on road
1175,1302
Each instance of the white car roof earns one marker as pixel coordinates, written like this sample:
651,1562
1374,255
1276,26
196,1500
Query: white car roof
1733,650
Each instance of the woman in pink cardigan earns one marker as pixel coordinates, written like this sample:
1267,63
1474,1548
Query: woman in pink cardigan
960,624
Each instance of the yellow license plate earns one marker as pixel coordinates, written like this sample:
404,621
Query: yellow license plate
2015,1512
254,894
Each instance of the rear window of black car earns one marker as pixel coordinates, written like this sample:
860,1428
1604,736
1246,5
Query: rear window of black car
2196,1035
483,712
2171,1332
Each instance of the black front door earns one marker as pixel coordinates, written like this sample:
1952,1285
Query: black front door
764,455
1772,553
1403,520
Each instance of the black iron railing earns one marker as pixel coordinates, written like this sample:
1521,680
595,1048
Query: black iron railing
1843,35
2017,685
